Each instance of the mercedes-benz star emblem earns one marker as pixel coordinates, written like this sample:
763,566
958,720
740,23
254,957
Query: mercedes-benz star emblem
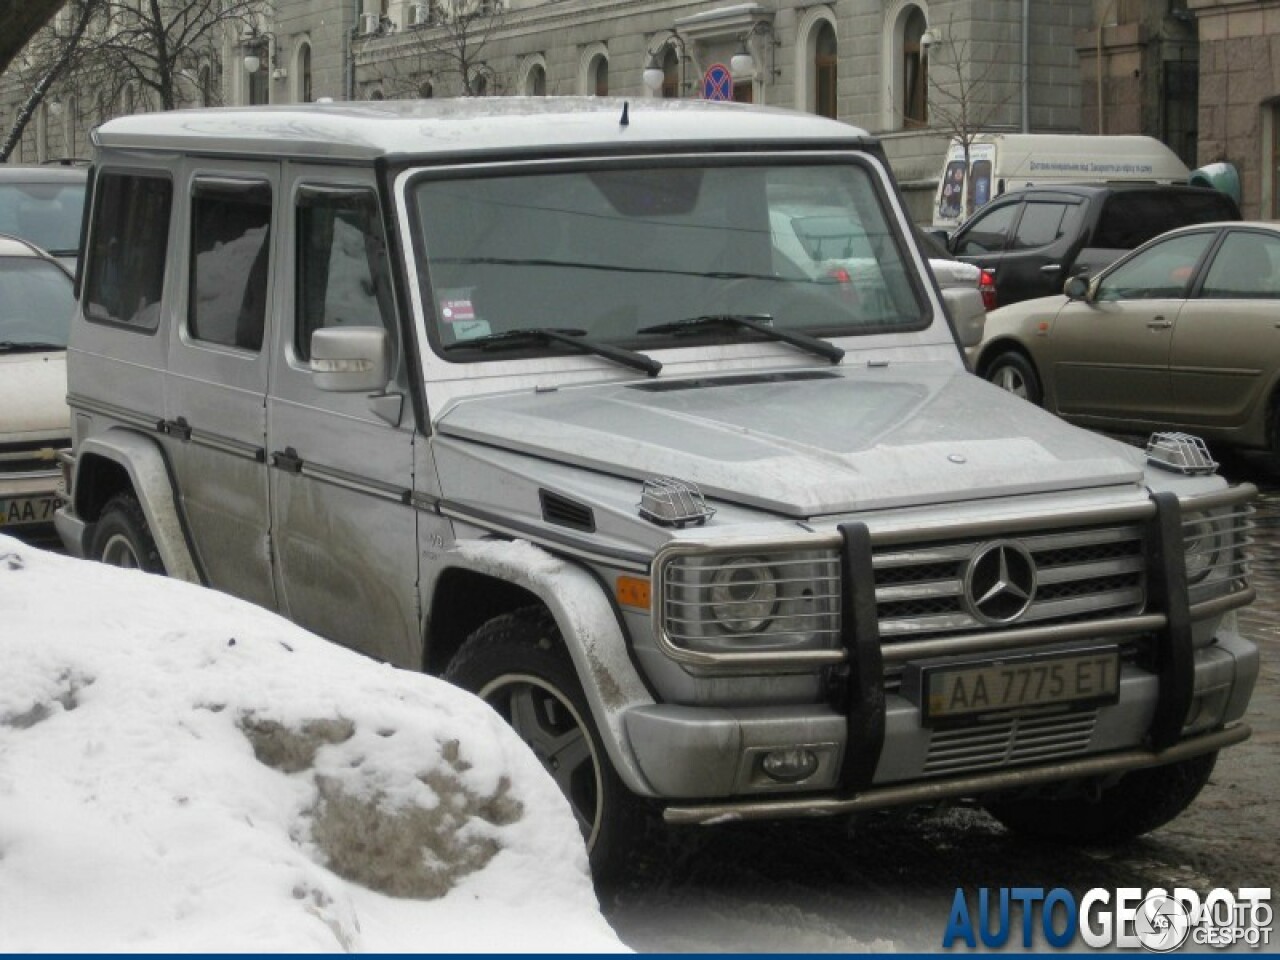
1000,582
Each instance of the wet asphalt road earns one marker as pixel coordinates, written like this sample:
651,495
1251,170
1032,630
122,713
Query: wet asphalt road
886,881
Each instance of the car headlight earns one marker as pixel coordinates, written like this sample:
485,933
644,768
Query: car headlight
744,595
1201,543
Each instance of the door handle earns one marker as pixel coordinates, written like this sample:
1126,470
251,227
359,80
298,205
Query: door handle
1159,323
1051,268
287,460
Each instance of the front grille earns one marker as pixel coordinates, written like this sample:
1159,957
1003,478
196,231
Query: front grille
1081,574
1008,742
30,456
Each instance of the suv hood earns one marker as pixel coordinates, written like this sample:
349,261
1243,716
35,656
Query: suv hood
806,443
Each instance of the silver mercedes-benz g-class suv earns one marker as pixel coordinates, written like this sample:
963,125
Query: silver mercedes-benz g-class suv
535,394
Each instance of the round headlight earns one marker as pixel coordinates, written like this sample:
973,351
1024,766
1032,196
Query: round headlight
1201,550
744,595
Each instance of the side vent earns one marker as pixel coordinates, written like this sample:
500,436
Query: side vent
564,512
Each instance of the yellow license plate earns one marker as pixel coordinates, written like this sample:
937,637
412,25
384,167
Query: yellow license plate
971,689
19,511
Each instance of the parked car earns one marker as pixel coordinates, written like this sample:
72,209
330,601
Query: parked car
951,272
36,303
44,205
1033,240
524,393
831,246
1182,334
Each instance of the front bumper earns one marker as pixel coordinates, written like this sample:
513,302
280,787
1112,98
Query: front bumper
716,752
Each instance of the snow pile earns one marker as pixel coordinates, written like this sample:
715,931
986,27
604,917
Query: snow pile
183,771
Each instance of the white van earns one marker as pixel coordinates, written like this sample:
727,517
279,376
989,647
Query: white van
1004,161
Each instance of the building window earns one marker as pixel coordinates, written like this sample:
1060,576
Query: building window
536,81
670,73
305,94
600,76
915,70
824,70
258,80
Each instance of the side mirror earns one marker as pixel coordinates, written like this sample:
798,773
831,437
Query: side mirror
967,313
1078,288
350,359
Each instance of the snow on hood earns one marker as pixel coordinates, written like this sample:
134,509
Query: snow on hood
181,771
808,443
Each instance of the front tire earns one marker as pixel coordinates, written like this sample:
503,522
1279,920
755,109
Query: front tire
517,664
1013,372
1140,802
121,537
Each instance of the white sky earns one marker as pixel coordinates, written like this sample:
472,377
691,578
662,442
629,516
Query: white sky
135,816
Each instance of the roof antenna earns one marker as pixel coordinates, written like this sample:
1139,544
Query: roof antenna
625,120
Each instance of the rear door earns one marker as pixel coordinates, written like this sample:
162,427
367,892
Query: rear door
1227,339
984,239
216,384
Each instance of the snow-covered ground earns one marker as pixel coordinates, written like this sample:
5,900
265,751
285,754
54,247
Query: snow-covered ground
182,771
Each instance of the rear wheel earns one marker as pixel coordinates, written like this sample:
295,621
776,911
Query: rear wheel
1138,803
1013,372
518,665
121,537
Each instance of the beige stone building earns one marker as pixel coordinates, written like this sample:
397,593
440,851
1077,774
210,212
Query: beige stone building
879,64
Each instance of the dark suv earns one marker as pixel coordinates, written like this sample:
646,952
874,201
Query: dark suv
1033,239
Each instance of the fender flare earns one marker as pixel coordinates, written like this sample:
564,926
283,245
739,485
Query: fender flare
144,462
591,630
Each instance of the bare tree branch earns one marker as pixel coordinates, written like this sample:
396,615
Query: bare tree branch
962,95
451,45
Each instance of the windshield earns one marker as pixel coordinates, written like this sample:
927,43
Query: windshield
46,214
36,302
612,252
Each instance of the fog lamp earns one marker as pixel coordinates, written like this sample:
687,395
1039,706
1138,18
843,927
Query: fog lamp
790,765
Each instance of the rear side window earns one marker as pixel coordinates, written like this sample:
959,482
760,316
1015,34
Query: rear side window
989,232
1043,223
230,260
343,275
125,274
1131,218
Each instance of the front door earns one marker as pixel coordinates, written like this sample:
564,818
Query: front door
1109,359
341,464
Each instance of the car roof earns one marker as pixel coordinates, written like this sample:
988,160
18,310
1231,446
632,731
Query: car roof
1092,189
49,173
470,126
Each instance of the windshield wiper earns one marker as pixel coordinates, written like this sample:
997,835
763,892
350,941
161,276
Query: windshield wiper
23,346
759,323
565,335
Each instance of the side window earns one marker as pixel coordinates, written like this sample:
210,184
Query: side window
230,252
1042,224
343,277
125,272
1160,272
1244,268
989,233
